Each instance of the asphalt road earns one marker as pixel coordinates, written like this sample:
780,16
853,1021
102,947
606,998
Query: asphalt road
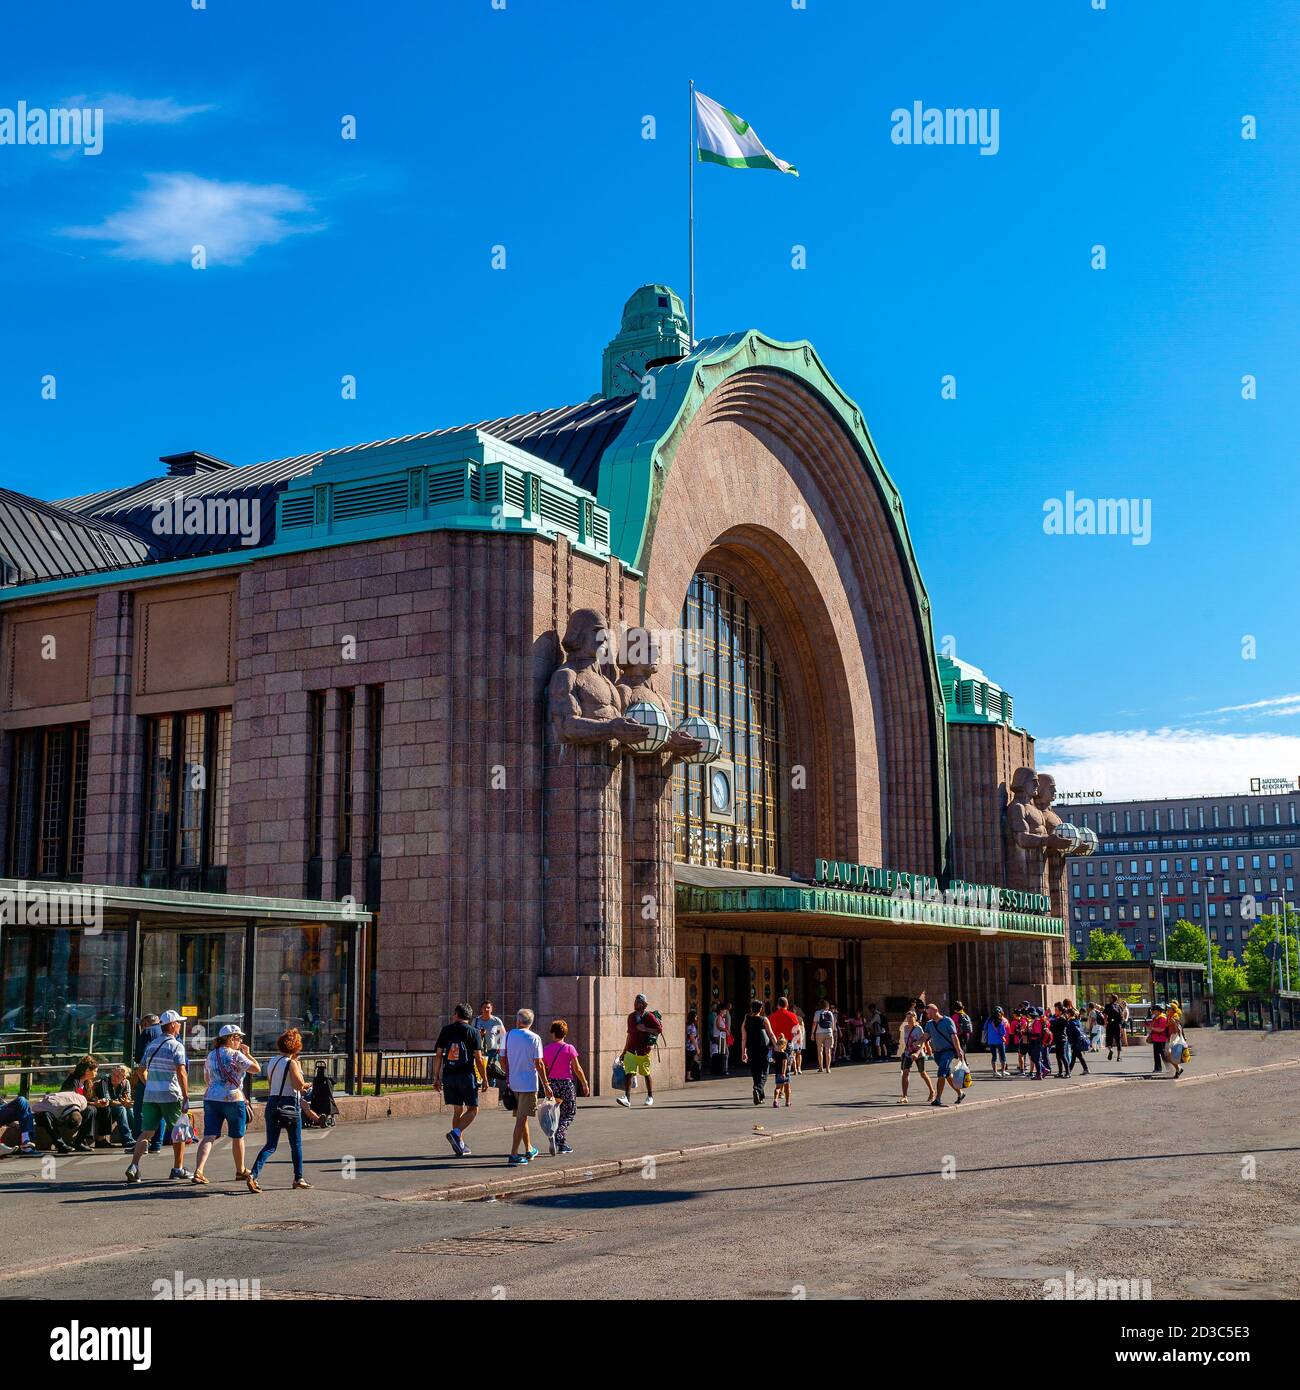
1194,1185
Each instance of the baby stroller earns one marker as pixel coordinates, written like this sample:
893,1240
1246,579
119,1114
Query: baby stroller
322,1098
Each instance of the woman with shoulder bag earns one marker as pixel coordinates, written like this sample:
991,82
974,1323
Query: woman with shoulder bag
283,1107
564,1070
224,1070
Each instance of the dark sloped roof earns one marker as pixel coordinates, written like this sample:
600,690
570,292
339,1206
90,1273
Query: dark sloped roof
43,541
258,485
572,437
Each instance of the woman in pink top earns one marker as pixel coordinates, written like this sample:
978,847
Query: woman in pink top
565,1071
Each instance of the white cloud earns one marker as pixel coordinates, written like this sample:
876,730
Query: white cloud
121,109
1143,764
176,212
1277,705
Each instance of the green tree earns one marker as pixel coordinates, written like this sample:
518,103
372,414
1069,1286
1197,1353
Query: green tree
1184,941
1262,973
1074,954
1230,982
1107,945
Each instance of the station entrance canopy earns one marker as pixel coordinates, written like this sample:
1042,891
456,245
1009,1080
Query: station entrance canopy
887,905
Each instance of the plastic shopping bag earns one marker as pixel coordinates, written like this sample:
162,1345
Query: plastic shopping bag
548,1116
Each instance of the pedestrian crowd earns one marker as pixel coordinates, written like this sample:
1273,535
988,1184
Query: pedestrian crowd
148,1107
1043,1042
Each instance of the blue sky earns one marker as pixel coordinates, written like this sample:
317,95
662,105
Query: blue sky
522,127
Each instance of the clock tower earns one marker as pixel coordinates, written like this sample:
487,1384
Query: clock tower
653,331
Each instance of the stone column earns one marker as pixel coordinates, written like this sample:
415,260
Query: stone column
114,769
584,863
649,933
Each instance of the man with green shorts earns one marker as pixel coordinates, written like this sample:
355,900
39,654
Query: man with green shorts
166,1094
643,1030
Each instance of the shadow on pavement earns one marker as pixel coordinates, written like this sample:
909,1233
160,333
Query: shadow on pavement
597,1199
1234,1154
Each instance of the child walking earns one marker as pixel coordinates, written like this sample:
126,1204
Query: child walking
783,1067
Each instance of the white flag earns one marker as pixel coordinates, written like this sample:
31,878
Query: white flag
725,138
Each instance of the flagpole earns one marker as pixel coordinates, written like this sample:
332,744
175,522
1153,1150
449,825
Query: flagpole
690,312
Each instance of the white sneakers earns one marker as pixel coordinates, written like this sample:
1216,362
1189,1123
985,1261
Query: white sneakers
649,1100
623,1100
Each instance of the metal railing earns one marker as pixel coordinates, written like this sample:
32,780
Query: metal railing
396,1069
350,1073
339,1067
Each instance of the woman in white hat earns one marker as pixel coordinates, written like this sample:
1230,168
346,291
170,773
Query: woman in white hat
224,1101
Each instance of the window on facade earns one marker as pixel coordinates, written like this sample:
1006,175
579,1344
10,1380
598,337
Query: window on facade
374,791
315,790
186,828
734,681
47,812
347,722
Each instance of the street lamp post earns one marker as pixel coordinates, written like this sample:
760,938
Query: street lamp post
1286,942
1164,944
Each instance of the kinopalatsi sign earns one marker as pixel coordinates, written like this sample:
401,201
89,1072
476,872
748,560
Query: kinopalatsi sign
839,873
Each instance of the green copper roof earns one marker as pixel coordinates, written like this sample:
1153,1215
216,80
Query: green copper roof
461,480
969,697
634,466
654,330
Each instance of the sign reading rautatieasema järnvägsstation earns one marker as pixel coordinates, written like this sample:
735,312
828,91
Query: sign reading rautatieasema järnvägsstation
838,873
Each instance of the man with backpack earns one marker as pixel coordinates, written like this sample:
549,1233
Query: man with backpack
824,1034
644,1028
1077,1042
965,1027
945,1043
1116,1014
456,1074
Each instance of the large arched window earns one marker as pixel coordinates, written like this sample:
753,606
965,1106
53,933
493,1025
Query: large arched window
729,675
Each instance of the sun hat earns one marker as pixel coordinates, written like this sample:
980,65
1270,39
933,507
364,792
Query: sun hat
230,1030
171,1016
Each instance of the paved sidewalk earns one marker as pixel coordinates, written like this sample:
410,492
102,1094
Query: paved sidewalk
716,1115
407,1158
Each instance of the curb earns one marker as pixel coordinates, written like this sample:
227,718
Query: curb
617,1167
